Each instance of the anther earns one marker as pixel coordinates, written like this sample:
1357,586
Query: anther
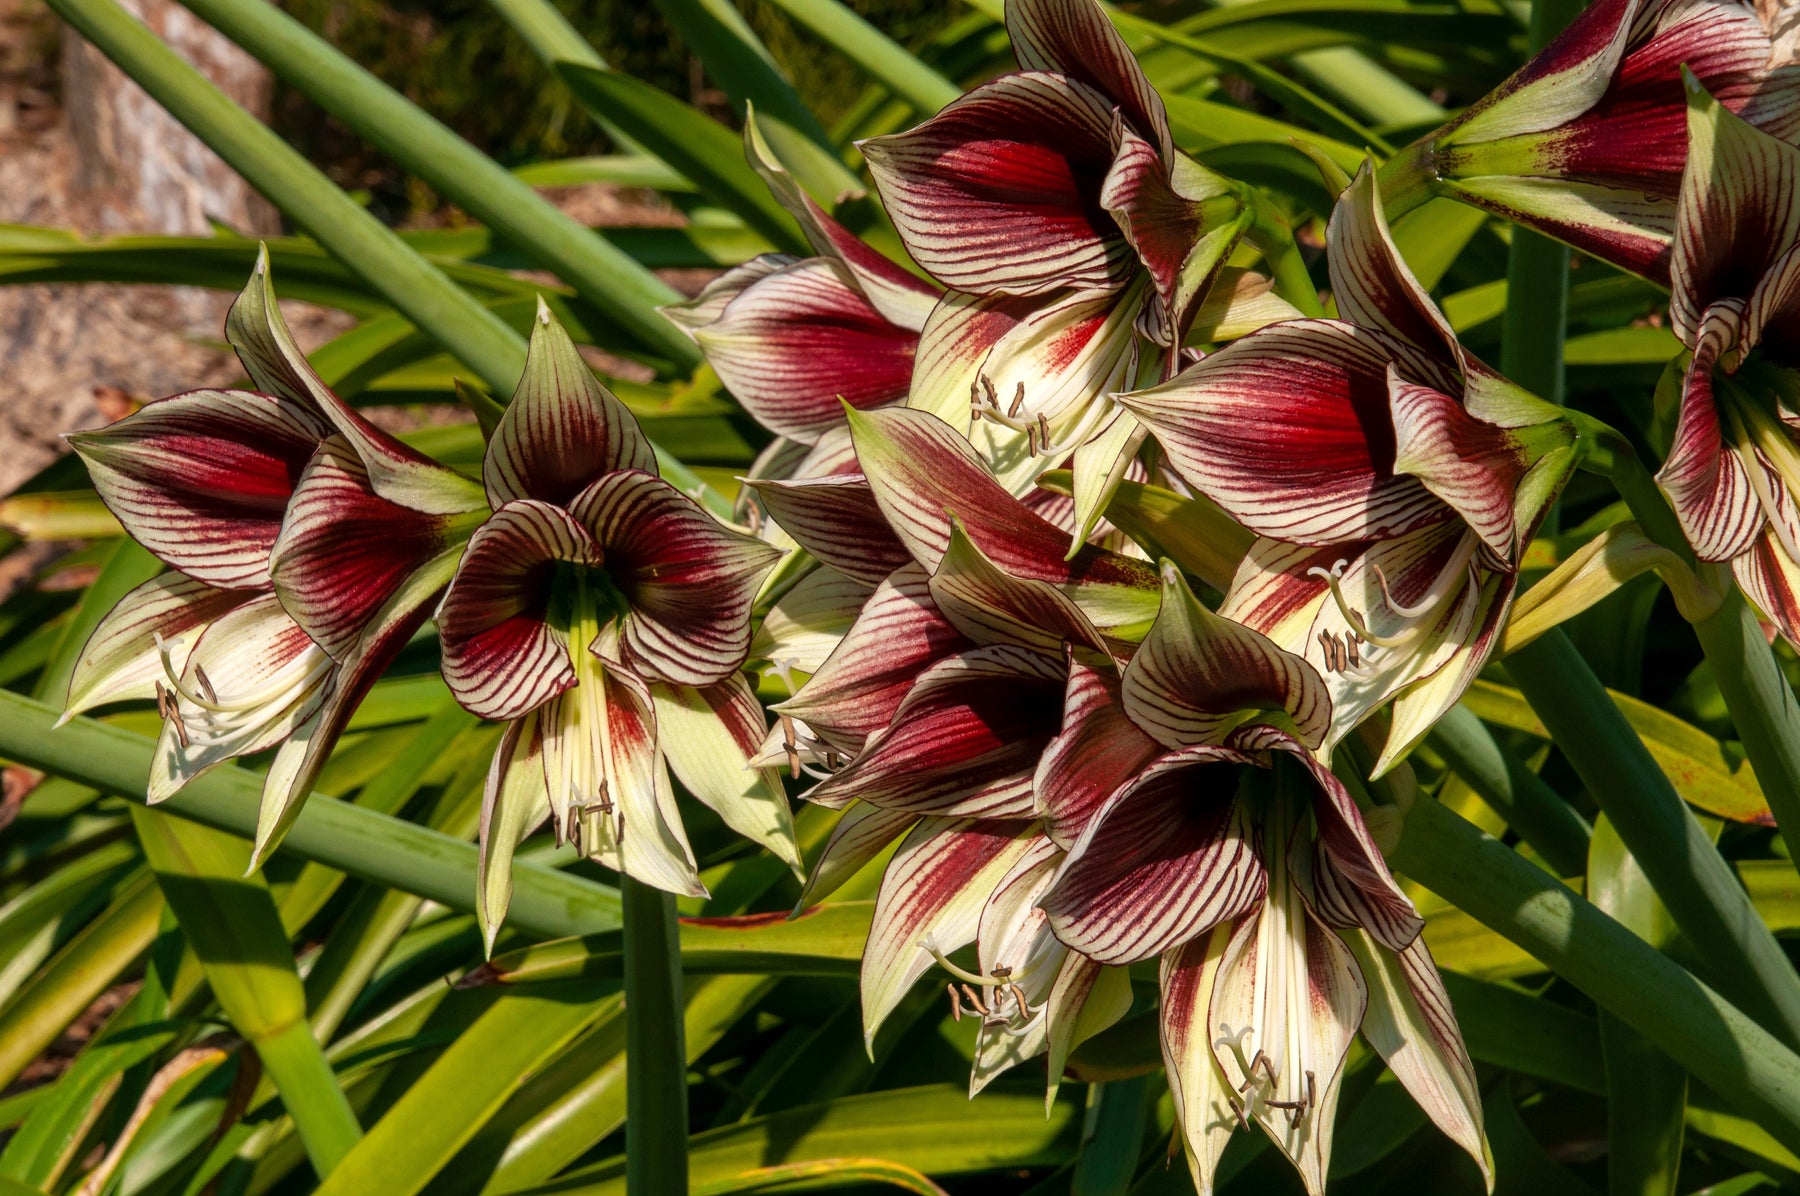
793,749
956,1009
975,1000
1043,431
1018,403
205,683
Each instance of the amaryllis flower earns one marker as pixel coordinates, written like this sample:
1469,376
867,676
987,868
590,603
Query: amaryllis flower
305,546
1243,864
1732,472
1053,205
1586,142
603,615
931,717
794,339
1392,479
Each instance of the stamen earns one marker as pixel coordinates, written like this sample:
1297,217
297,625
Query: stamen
956,1009
975,1000
205,683
793,751
1018,403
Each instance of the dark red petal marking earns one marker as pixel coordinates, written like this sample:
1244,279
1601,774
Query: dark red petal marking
562,429
202,479
836,519
1000,191
687,580
1172,856
965,741
1097,751
898,634
798,344
1075,38
1288,429
344,551
501,656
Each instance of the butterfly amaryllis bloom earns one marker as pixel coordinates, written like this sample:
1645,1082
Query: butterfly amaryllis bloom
795,339
1732,472
304,546
1586,142
1393,481
603,615
1052,204
1237,859
931,718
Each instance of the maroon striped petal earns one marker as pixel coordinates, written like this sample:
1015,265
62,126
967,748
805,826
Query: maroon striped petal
1097,751
900,297
1197,675
856,691
252,678
255,328
709,735
121,661
1288,429
931,899
303,757
514,803
692,315
344,550
1000,190
1075,38
923,473
1474,466
1181,219
563,429
202,479
1771,580
1773,313
1169,858
1204,1110
800,343
1289,989
1410,1021
965,741
1739,211
1350,884
502,657
1375,289
1054,357
991,606
860,836
688,581
1564,79
836,519
1706,480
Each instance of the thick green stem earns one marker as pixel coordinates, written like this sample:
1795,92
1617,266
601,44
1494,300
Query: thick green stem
1275,240
1532,329
1533,809
656,1068
1693,879
441,309
1700,1029
1757,695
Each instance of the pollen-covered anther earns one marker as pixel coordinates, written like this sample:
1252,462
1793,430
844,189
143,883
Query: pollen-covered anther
171,713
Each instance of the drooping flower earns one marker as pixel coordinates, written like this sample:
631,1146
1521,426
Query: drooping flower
1392,479
1052,204
305,546
1243,864
931,718
1735,462
603,615
794,339
1586,141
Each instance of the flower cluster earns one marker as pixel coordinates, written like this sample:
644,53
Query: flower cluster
1076,763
